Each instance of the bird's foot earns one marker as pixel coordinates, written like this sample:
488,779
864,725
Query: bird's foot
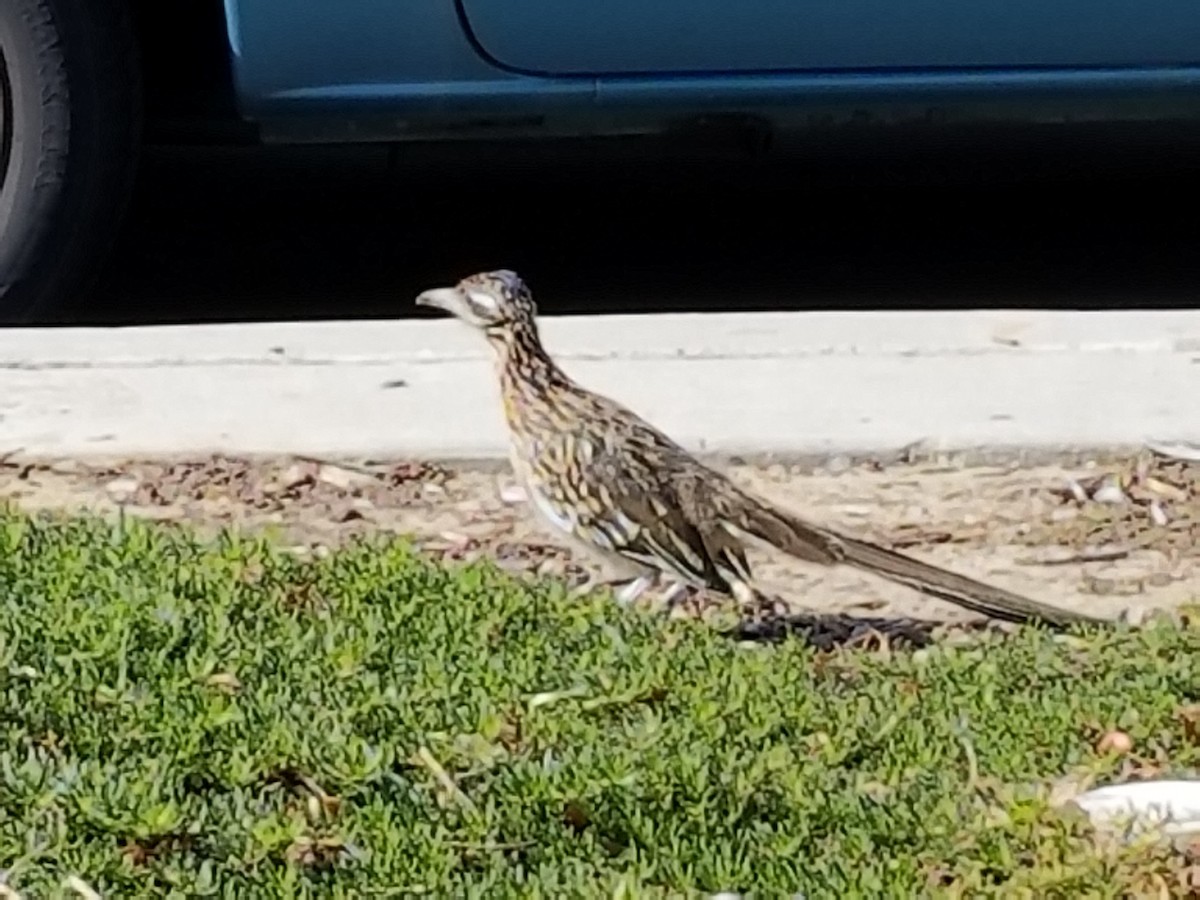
686,601
677,592
628,593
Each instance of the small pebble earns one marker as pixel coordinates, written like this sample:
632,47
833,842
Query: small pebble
341,478
1115,742
1076,490
858,510
294,475
1133,615
513,494
1109,493
837,465
121,489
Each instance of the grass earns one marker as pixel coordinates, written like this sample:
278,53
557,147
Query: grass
189,719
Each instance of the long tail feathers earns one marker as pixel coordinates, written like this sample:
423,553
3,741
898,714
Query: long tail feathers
817,544
959,589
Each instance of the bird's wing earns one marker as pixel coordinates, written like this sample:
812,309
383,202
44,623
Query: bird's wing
639,501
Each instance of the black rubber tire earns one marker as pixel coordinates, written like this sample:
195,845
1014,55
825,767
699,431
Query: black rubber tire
70,131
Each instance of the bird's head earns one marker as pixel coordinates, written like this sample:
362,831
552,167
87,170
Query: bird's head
498,303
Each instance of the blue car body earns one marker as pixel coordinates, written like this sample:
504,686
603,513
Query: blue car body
349,70
85,84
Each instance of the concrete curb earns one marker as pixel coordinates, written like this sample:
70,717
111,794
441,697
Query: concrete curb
789,384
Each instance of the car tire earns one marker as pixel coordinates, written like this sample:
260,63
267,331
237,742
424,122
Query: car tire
70,131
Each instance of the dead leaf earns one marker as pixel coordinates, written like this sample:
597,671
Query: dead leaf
575,815
1189,716
225,681
1087,555
316,852
404,472
320,803
451,790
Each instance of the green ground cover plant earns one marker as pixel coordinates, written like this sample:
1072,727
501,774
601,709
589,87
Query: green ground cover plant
222,718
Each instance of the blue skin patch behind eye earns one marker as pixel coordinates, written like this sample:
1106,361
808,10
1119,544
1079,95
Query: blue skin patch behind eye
511,282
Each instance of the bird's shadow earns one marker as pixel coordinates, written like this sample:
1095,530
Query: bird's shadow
770,619
834,631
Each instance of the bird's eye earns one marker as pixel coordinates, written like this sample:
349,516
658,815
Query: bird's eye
485,303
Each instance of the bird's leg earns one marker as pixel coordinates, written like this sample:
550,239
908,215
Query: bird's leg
743,593
630,591
626,590
676,592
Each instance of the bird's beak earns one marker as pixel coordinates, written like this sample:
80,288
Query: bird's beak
448,300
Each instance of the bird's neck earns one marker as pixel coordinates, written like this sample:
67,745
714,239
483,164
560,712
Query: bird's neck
528,376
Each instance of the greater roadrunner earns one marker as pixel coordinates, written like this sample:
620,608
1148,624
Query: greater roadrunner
637,502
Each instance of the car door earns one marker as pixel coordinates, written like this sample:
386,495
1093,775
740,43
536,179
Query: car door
628,37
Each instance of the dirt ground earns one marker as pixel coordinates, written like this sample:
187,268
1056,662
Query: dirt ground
1106,537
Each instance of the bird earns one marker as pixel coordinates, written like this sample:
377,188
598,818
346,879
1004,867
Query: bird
638,504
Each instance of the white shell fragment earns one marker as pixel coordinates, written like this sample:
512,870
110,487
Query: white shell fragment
1110,492
1172,806
1077,490
1187,451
